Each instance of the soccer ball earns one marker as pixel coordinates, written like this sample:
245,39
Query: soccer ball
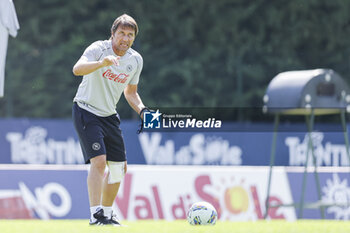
202,213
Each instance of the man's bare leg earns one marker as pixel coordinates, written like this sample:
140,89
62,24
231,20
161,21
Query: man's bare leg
95,182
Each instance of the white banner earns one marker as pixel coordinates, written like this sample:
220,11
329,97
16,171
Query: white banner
237,193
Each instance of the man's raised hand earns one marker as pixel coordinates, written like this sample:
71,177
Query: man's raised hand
110,60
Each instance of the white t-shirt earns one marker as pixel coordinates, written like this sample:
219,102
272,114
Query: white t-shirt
99,91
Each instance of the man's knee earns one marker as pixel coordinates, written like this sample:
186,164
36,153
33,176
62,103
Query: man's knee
99,163
116,171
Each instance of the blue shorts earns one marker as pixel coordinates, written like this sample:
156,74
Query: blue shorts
98,135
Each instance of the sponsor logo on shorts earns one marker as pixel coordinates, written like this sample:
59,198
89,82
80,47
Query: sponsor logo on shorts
96,146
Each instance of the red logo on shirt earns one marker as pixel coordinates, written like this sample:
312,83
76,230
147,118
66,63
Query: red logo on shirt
120,78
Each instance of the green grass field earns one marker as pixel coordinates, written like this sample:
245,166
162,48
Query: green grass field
81,226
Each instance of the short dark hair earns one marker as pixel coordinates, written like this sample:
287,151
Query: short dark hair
125,21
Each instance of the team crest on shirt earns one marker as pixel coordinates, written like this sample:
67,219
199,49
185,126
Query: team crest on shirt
129,68
96,146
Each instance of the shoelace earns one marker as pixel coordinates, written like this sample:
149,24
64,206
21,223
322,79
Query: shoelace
114,216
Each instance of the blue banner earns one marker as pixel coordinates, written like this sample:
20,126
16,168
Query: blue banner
45,141
334,194
43,194
60,192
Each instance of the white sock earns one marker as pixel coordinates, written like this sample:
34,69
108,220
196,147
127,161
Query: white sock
107,211
94,209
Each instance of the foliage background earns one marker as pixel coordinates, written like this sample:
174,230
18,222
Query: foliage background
197,53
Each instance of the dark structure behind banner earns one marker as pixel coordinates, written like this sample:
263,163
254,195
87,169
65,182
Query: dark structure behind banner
309,93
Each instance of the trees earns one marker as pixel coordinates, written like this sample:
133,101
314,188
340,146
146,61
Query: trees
196,53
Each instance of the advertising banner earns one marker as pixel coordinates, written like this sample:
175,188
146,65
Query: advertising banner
335,191
39,142
28,141
238,194
167,192
43,192
147,192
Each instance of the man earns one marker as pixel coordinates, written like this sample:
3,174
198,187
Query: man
109,67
